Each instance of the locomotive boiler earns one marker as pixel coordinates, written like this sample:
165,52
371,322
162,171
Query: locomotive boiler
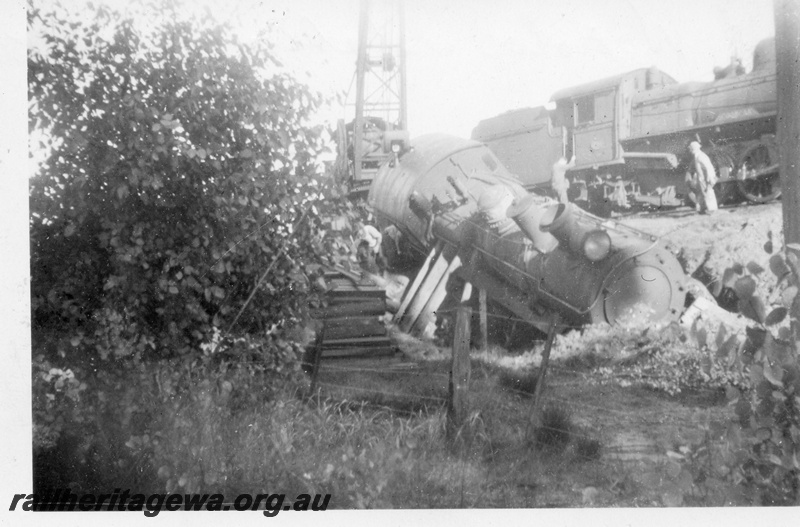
458,209
632,130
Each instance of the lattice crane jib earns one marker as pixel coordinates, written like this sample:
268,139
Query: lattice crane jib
379,129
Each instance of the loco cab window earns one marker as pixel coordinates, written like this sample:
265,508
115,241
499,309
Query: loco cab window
595,108
584,110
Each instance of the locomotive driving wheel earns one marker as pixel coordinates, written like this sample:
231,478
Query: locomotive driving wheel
757,173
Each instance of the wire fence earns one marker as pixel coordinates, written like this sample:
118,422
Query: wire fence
513,318
595,431
385,393
361,369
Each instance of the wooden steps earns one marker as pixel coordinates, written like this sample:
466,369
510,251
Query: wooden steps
360,353
352,325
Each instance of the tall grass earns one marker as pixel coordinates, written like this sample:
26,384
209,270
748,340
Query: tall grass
231,431
211,435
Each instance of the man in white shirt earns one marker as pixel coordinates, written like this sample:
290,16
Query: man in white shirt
559,183
372,236
701,180
368,249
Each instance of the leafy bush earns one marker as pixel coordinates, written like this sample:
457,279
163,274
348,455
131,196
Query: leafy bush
758,460
179,183
180,166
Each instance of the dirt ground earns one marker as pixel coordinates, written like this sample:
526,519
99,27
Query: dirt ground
633,430
731,235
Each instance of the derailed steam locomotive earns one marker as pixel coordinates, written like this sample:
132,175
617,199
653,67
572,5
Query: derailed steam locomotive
632,130
531,254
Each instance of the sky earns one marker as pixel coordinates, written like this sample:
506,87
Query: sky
472,59
468,60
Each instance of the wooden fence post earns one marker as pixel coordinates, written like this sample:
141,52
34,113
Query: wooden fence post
537,392
787,55
482,320
458,403
317,358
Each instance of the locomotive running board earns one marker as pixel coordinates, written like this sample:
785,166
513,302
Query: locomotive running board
670,160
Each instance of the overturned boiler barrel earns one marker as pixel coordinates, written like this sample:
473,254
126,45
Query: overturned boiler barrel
531,254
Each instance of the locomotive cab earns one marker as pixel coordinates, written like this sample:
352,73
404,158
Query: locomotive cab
597,116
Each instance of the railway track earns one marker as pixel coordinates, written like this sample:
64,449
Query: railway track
685,210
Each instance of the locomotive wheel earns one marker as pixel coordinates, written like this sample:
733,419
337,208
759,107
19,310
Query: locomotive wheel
728,192
757,174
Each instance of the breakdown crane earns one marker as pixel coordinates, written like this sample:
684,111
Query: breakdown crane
378,129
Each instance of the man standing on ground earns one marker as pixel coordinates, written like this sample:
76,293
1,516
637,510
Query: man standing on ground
701,180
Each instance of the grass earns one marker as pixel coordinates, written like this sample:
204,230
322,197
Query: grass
499,466
555,430
521,382
588,448
373,436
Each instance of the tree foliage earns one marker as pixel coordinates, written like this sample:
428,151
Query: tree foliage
180,166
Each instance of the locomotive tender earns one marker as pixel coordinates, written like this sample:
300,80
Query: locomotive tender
633,130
